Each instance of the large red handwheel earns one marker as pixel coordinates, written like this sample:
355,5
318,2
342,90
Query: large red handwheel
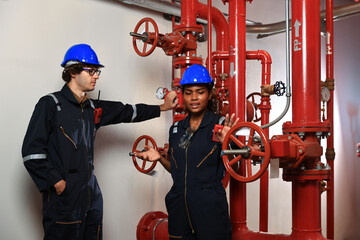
251,99
137,142
241,137
154,35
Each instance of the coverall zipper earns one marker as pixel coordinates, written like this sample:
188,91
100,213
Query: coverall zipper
212,150
67,136
186,205
87,150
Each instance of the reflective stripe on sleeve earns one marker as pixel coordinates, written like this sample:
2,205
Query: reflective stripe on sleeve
134,113
92,104
56,101
34,156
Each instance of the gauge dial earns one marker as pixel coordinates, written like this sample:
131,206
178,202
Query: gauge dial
325,94
160,93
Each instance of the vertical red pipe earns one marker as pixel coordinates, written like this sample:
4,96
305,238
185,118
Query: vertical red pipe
330,117
237,58
306,210
306,199
265,112
209,26
222,32
306,60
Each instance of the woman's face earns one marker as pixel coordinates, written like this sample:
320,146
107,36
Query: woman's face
196,98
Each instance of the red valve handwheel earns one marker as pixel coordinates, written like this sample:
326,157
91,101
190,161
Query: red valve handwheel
259,152
145,53
251,98
143,168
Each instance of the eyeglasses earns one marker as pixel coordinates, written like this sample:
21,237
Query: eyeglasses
92,71
185,139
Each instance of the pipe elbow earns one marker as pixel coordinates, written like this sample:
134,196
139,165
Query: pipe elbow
264,56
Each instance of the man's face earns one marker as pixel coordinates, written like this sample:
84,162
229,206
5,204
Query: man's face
85,81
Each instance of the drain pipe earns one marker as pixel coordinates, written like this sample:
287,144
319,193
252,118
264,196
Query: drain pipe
266,30
288,88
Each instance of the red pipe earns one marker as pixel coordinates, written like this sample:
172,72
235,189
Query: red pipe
237,50
330,153
221,27
306,61
265,115
209,27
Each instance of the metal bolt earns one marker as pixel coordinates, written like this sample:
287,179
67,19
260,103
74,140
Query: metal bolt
327,167
300,150
289,137
179,41
183,33
193,33
302,167
194,55
318,167
201,35
318,134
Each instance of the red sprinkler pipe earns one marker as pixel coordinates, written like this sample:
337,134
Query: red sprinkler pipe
330,153
306,60
306,201
265,113
221,27
237,50
209,27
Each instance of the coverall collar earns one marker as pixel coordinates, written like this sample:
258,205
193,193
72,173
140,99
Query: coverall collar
204,121
69,95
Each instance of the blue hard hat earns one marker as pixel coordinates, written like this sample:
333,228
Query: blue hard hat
80,53
196,74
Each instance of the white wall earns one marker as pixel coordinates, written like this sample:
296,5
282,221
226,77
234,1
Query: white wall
34,36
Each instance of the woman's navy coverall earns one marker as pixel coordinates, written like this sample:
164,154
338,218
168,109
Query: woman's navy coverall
196,203
59,144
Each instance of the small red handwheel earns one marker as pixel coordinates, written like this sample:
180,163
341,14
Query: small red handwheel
137,143
251,98
154,35
255,149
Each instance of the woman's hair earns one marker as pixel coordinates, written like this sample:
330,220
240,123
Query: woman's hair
212,103
75,69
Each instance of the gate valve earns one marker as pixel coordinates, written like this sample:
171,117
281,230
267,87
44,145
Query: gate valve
279,88
221,94
163,152
146,36
252,147
135,149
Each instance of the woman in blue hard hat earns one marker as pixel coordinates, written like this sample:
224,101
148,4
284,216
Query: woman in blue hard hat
58,148
196,204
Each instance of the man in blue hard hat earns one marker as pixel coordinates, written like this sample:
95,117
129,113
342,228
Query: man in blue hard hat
58,148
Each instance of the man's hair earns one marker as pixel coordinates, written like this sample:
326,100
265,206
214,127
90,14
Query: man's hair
75,69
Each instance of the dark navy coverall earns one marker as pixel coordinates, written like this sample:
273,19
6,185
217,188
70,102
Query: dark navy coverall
59,144
196,204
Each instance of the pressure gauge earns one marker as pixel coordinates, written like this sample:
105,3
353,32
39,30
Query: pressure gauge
325,94
160,93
